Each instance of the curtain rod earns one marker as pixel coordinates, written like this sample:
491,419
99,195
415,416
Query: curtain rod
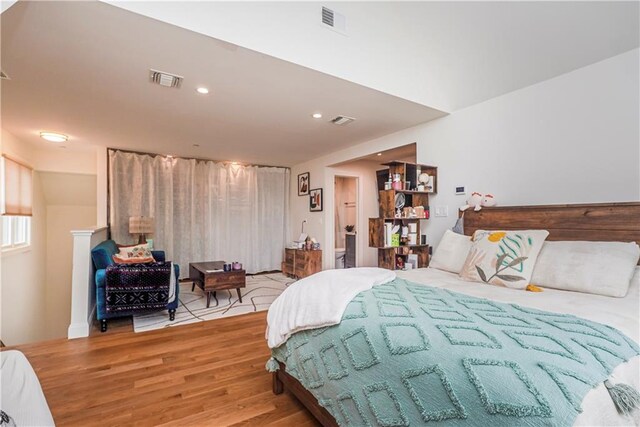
198,159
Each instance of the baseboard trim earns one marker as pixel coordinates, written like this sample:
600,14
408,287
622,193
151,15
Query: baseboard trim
78,330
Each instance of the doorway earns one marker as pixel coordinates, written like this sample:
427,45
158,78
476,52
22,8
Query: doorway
346,221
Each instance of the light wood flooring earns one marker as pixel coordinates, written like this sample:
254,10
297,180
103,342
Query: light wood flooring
204,374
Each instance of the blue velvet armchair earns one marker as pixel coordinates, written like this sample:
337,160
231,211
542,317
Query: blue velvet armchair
102,258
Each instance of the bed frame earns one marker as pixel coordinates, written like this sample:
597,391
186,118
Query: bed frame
591,222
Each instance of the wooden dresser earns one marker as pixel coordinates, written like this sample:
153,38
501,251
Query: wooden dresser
300,263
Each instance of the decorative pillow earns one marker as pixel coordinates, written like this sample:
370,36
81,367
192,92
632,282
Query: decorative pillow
451,253
135,251
132,260
602,268
503,258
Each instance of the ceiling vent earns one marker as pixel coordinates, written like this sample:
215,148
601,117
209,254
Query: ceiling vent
342,120
334,20
165,79
4,76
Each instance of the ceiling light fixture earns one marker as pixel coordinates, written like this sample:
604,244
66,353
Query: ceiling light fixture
202,90
317,115
54,137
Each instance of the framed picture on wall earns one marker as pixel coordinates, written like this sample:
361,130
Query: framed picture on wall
303,184
315,200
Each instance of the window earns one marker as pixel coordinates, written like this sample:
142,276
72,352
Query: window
16,232
15,201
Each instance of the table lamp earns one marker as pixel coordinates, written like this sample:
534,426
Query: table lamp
141,225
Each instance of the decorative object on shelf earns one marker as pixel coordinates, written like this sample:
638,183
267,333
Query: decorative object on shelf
399,202
141,225
419,211
236,265
425,182
315,200
397,181
303,184
349,228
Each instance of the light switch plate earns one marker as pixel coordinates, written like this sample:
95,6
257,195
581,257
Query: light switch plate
441,211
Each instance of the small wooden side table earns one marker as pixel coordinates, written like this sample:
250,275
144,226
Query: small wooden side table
211,281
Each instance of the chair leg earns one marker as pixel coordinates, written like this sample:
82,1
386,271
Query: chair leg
172,314
103,325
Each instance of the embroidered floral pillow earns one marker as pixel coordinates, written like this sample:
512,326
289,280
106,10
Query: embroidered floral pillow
503,258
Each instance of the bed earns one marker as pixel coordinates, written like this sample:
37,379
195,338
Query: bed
592,222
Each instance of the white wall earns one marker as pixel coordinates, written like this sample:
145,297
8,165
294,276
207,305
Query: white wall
23,278
574,138
36,283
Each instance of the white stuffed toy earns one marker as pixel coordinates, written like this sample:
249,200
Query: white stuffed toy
487,201
473,202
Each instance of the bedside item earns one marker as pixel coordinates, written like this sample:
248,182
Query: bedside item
315,200
217,281
503,258
300,263
236,266
141,225
303,184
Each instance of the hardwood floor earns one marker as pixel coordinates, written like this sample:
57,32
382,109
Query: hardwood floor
204,374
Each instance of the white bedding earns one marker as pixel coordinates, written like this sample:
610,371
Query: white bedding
621,313
320,300
21,396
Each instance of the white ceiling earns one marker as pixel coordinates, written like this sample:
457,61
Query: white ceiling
81,68
445,54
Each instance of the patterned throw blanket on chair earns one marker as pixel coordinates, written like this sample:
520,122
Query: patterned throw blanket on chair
407,354
137,286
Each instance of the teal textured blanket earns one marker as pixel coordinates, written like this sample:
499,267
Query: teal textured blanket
408,354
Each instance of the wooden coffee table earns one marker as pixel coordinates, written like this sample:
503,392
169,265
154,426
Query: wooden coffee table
210,282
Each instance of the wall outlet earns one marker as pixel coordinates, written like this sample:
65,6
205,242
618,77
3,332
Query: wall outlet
441,211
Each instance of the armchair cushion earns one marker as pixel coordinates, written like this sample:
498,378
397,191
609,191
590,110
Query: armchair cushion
101,254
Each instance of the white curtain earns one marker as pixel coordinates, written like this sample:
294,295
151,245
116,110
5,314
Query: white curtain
202,210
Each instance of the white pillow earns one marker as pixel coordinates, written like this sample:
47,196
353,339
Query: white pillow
602,268
451,253
503,258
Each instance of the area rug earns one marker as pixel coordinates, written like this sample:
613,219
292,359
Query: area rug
261,291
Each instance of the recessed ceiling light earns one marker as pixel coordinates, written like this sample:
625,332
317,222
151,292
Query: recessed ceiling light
202,90
317,115
379,154
53,137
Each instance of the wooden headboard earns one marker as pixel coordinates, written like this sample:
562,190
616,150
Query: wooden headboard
592,222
